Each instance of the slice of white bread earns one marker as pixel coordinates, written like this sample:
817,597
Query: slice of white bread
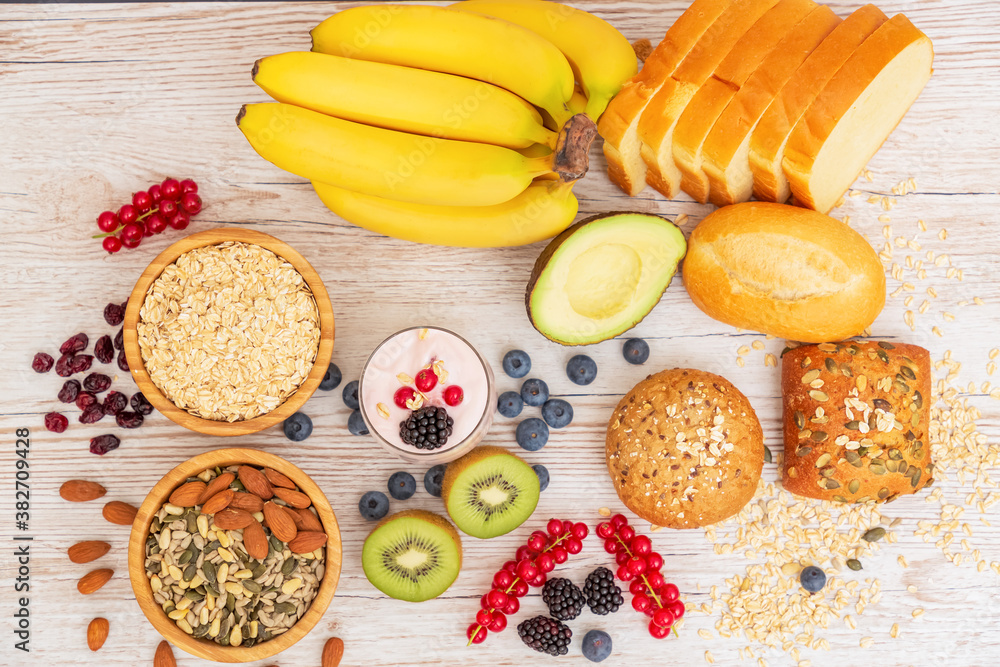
619,122
725,153
719,89
767,143
857,110
657,123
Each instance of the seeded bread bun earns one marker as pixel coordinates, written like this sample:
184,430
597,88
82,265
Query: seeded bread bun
685,449
856,416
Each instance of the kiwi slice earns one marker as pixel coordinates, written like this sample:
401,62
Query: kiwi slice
412,555
489,492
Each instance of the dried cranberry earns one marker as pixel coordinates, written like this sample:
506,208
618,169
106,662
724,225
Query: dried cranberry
80,363
103,444
56,422
140,404
77,343
63,366
70,390
42,363
120,339
128,419
85,399
104,350
96,382
122,361
115,402
114,314
92,413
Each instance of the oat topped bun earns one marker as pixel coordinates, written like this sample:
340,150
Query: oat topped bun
685,449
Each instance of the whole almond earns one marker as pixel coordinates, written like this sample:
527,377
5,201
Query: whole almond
164,656
80,490
333,652
278,479
218,484
93,580
305,542
218,502
119,513
97,633
247,501
187,495
230,519
296,499
279,520
306,520
255,541
84,552
255,482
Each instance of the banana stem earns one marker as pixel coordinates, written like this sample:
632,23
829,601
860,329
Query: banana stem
571,157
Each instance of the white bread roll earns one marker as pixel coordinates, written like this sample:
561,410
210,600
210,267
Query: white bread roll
785,271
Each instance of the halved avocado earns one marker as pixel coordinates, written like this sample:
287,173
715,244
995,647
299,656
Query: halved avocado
601,276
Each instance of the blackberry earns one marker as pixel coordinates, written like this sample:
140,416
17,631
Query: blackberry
426,428
563,598
545,635
602,593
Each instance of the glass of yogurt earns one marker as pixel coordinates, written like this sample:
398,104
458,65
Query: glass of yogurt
414,374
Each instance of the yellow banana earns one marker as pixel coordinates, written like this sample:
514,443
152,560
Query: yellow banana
543,210
387,163
402,98
601,58
445,40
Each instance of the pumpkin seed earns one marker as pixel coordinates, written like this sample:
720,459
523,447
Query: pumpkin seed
852,425
819,436
252,586
827,471
907,372
805,362
818,395
862,499
854,485
768,458
877,467
902,467
809,376
846,370
882,404
882,355
918,400
891,465
895,454
854,564
800,420
874,534
915,420
883,493
803,451
170,518
190,571
823,460
208,571
910,435
886,346
901,386
259,571
832,484
853,350
840,499
185,557
831,365
194,595
914,477
192,522
276,544
288,567
237,485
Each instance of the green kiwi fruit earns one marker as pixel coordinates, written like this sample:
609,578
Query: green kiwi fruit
489,492
412,555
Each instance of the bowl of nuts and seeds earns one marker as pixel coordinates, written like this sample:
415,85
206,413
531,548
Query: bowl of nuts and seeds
228,331
234,555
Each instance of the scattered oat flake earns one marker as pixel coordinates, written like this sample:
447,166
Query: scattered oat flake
770,360
740,362
894,631
902,561
655,528
422,334
604,511
708,658
866,642
383,411
404,378
705,634
743,349
918,612
943,234
758,345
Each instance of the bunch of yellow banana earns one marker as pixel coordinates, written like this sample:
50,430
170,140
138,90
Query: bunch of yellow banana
463,125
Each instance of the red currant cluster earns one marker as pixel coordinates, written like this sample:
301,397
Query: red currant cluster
169,204
530,567
425,381
640,565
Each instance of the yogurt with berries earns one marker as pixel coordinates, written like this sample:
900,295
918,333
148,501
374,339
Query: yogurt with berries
427,395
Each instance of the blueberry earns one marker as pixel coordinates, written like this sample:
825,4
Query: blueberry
813,579
581,369
402,485
351,395
510,404
532,434
596,645
557,413
298,427
543,476
356,424
534,392
635,351
433,479
373,505
332,378
516,363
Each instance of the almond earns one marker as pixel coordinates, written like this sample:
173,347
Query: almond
333,652
218,484
230,519
92,581
218,502
84,552
296,499
279,520
278,479
187,495
80,490
119,513
97,633
305,542
306,520
255,482
247,501
255,541
164,656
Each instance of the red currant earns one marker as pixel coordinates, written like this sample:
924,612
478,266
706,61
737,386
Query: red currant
654,561
107,221
545,563
622,557
573,545
142,201
171,189
555,527
677,609
580,531
511,566
636,565
484,601
128,214
669,593
639,603
503,579
112,244
641,545
655,580
611,545
476,634
525,553
520,589
155,223
605,530
624,574
187,185
453,395
663,618
567,526
146,231
131,235
513,605
539,580
527,570
538,541
499,622
618,520
402,395
426,379
657,631
179,220
497,598
484,617
191,203
637,587
155,194
168,208
559,554
626,533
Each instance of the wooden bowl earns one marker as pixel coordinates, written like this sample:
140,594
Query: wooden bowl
159,494
210,426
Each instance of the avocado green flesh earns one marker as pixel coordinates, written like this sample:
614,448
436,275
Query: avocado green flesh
410,559
493,496
604,276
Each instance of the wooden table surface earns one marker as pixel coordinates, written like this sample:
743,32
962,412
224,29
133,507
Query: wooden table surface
100,100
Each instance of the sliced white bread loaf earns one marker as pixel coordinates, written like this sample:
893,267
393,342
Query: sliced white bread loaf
767,143
721,87
857,110
725,153
619,122
657,123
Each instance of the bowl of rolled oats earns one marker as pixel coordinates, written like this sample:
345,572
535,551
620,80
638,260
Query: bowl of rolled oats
228,331
234,555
